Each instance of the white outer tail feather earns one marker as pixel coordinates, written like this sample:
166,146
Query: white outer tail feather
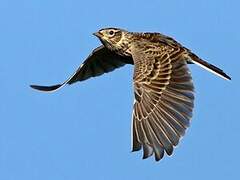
210,70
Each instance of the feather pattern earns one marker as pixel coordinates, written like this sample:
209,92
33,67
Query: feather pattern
164,104
163,87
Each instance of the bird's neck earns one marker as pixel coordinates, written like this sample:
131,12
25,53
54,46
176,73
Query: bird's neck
123,46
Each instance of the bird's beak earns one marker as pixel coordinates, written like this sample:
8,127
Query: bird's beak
97,34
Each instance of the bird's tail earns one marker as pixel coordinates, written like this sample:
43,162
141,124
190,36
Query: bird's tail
211,68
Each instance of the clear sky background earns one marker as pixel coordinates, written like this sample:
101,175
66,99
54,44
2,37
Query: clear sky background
83,131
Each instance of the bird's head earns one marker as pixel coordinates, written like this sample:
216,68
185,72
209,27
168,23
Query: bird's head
112,38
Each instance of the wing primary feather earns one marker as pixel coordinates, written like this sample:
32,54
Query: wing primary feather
47,88
100,61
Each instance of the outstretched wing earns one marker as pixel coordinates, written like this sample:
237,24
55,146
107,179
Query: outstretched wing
164,96
100,61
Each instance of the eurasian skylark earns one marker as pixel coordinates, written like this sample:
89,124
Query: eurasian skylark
163,86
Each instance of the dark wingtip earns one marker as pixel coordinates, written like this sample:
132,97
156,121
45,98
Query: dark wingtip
136,148
157,158
46,88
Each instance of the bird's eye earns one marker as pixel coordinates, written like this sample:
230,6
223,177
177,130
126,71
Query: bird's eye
111,32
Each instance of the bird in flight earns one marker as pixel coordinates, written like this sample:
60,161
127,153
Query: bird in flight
163,87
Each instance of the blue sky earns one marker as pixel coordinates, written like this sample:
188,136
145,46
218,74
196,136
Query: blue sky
83,131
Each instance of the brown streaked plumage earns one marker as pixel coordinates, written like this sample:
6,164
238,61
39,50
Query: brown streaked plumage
163,87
